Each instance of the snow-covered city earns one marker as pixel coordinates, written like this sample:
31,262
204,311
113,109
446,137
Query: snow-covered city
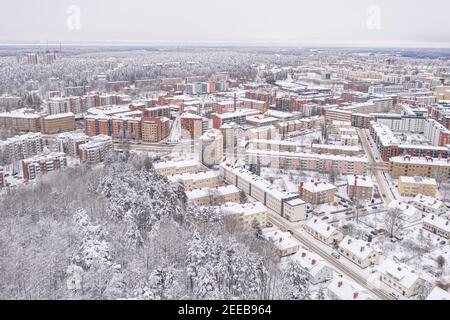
134,172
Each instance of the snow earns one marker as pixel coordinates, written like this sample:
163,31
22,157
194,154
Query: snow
323,228
357,247
281,240
404,275
438,294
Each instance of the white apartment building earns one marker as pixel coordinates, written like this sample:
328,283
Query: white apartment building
288,205
69,143
358,251
323,231
240,215
211,147
170,168
96,150
21,147
400,277
207,197
191,181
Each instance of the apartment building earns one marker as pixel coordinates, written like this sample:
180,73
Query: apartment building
191,181
359,252
284,242
349,140
261,106
317,192
23,120
69,143
337,125
359,187
170,168
438,225
287,205
244,215
56,105
429,204
21,147
42,164
96,150
57,123
155,129
323,231
308,161
239,117
274,145
211,147
263,133
419,166
207,197
400,277
348,150
232,134
412,186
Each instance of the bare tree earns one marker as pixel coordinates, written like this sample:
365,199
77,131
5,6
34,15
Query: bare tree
393,222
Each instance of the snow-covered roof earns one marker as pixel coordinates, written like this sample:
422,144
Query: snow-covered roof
315,186
281,240
346,290
205,192
438,294
403,274
359,248
194,176
59,115
21,113
308,155
418,180
244,209
428,201
362,181
420,161
333,147
309,261
437,221
406,209
177,164
321,227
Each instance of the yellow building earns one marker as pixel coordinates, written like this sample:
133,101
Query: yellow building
419,166
412,186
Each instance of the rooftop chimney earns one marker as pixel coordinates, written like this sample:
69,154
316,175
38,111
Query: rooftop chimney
355,295
340,283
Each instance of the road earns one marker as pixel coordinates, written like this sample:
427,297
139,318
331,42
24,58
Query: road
378,168
338,265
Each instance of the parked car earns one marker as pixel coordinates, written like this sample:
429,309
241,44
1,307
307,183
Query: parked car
335,255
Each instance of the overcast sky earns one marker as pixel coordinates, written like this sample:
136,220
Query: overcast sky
232,21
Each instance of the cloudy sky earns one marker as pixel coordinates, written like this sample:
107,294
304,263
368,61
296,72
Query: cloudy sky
299,22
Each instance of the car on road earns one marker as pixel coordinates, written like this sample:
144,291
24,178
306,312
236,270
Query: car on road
325,218
394,295
335,255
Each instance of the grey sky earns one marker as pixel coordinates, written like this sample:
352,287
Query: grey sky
260,21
